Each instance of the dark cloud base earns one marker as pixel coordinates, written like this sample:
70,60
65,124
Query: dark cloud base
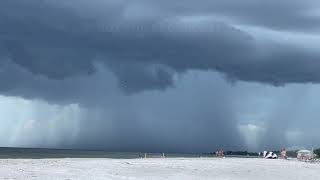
57,42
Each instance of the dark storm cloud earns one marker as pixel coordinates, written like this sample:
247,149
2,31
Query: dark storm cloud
83,51
56,40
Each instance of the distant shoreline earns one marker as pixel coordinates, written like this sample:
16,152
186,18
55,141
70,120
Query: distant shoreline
47,153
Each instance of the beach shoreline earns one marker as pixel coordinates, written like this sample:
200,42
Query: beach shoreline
158,168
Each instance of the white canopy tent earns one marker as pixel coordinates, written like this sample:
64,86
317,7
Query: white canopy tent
305,155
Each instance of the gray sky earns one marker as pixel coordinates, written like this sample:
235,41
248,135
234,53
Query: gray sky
149,75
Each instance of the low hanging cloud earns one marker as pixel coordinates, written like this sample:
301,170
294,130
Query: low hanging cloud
58,41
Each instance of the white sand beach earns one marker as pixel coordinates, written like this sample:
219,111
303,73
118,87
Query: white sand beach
175,168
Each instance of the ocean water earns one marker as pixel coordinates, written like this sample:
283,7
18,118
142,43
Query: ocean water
38,153
33,153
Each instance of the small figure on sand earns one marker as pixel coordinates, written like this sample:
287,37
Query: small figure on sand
220,153
283,154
